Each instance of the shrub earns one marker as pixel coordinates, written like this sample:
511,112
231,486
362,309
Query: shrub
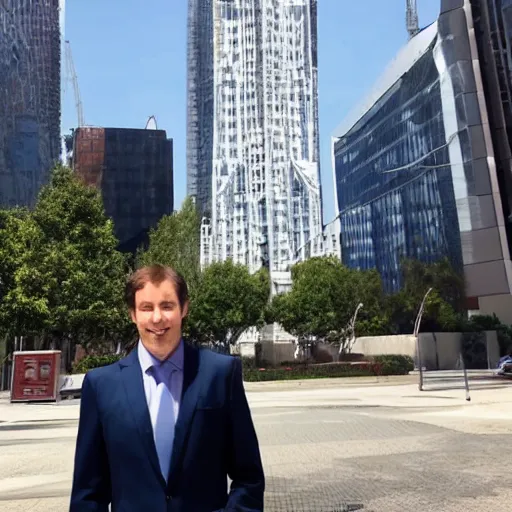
321,354
248,362
394,364
313,371
95,361
479,323
505,339
352,357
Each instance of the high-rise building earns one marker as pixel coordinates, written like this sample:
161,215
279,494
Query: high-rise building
252,142
29,97
133,169
423,166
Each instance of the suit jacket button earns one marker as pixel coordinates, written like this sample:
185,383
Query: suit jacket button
168,497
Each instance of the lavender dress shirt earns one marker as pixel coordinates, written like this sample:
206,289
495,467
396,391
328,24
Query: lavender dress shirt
163,383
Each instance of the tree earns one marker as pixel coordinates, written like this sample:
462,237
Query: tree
175,243
69,280
444,307
323,300
13,223
441,276
227,301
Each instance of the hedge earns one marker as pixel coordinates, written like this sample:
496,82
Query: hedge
379,365
394,364
312,371
92,361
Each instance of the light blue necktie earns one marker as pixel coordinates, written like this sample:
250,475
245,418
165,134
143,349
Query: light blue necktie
162,417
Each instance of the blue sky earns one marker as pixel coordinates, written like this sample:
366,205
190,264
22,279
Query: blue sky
130,59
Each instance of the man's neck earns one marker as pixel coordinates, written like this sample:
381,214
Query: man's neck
163,355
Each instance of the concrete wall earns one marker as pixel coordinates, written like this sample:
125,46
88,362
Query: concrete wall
276,353
245,349
380,345
439,351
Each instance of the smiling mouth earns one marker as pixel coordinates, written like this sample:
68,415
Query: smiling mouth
158,332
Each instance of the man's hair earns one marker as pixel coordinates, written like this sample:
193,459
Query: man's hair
155,274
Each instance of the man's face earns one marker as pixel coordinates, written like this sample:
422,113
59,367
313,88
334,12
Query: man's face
158,317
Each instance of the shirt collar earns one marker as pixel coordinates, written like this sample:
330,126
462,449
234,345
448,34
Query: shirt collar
147,359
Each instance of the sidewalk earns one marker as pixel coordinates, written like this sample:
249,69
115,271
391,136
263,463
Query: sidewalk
392,395
37,412
493,399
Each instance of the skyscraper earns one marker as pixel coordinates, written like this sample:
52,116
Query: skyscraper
29,97
133,169
252,141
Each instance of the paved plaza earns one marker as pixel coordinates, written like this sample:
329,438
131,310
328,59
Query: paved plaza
336,445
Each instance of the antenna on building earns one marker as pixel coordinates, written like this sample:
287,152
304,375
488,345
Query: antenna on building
71,75
151,124
411,18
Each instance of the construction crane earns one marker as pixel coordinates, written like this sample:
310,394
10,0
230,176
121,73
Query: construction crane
411,18
71,76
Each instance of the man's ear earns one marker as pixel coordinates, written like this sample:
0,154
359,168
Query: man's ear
184,310
132,316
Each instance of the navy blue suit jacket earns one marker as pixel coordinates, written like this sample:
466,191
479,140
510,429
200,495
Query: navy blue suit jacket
116,461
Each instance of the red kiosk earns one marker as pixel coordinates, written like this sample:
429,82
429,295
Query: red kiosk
35,376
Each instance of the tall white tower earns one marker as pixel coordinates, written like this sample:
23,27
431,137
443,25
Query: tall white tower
253,148
411,17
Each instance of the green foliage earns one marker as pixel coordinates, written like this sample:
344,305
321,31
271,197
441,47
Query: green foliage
319,371
227,301
441,276
505,339
394,364
175,243
378,325
444,308
324,297
94,361
68,278
478,323
377,366
248,362
13,226
325,294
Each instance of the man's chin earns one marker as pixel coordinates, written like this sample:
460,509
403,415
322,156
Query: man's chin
158,342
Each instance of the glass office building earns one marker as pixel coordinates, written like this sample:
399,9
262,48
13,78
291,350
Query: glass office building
417,171
29,98
395,202
133,168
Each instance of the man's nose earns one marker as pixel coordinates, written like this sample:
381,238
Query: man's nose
157,315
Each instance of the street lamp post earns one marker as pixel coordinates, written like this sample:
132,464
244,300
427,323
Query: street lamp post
417,324
351,327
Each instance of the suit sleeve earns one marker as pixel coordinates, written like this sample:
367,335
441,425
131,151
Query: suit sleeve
244,461
91,491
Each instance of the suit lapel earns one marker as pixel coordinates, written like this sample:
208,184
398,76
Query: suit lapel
190,394
131,375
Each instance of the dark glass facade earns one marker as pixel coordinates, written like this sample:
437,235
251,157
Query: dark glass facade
29,97
394,190
424,169
134,171
200,103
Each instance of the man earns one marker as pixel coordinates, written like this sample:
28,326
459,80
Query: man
162,429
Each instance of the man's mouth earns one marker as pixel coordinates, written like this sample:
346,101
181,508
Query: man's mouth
158,332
